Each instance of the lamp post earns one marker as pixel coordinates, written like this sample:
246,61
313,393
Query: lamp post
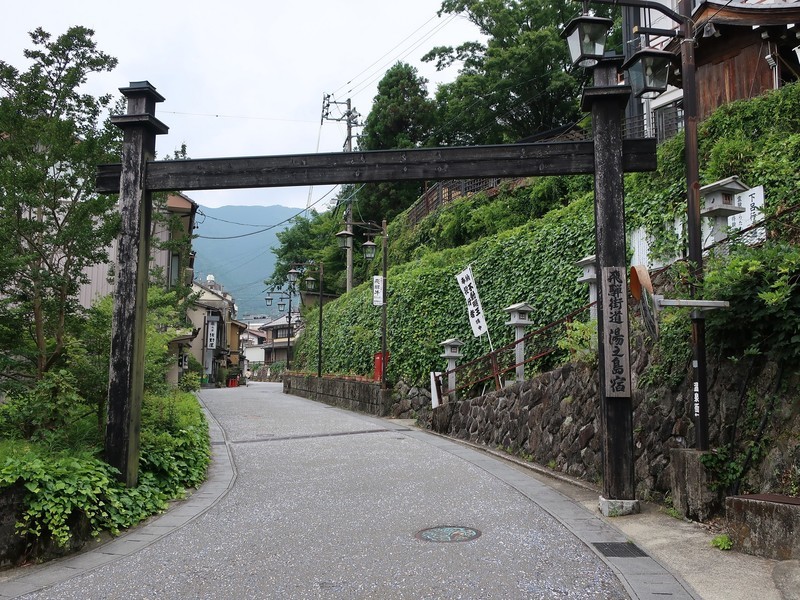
369,253
606,99
647,71
369,247
282,297
311,284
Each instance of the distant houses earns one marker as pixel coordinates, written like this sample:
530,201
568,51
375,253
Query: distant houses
217,345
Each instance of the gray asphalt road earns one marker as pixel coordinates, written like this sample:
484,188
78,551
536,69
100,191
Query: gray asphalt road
327,504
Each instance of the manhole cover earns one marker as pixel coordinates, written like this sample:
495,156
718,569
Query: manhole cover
448,533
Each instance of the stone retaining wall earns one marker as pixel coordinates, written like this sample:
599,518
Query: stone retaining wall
553,420
357,395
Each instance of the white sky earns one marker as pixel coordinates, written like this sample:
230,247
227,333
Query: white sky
246,78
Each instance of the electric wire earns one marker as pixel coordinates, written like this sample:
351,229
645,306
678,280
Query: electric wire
268,227
243,117
399,44
357,89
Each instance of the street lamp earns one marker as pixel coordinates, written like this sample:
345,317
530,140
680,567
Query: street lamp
648,72
643,69
311,285
586,38
283,297
370,250
345,239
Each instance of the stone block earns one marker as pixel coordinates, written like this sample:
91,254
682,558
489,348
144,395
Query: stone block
765,525
692,495
618,508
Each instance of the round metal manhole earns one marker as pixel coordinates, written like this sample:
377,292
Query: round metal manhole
448,533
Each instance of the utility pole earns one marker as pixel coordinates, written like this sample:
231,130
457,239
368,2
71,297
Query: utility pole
350,117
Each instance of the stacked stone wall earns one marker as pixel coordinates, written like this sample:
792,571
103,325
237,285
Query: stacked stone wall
553,419
352,394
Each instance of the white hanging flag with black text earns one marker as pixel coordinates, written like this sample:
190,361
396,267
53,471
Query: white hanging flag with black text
476,317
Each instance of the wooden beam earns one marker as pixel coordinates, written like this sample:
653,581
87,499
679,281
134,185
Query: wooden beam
429,164
126,371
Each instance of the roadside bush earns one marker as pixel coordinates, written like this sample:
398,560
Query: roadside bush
61,486
52,414
190,382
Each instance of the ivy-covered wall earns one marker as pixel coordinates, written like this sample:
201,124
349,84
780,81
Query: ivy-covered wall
532,263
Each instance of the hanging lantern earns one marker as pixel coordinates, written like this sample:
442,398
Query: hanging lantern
369,248
586,38
648,72
345,239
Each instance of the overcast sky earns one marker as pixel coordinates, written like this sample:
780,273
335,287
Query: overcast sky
247,78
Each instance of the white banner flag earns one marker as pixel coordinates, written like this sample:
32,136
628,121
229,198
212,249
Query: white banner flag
476,318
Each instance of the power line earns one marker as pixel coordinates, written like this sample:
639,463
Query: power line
268,227
384,55
243,117
357,89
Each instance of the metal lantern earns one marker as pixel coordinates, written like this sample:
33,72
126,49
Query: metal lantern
311,283
586,38
648,71
370,248
345,239
268,300
292,275
281,306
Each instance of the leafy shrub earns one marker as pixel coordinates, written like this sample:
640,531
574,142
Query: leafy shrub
50,413
190,382
581,341
60,486
722,541
761,285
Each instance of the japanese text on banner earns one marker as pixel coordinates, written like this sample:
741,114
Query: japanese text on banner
476,317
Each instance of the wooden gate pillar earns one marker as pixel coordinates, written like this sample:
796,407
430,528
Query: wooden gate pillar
126,372
607,100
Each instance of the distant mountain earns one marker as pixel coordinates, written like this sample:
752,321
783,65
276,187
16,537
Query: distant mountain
240,258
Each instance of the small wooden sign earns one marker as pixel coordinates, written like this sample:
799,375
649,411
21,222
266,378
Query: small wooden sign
615,320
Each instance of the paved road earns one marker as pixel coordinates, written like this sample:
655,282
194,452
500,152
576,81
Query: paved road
322,503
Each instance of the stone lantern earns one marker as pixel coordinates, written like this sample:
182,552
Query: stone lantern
589,266
452,352
719,203
519,319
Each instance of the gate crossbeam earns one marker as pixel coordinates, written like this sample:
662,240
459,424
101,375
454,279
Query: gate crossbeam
430,164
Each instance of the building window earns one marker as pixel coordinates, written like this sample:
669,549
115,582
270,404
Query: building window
174,269
668,121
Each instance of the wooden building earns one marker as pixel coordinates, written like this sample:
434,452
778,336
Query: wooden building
743,48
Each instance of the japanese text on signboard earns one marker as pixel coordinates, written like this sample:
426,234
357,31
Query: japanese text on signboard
377,290
476,317
211,340
615,319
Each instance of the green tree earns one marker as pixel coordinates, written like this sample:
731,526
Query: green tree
53,225
517,84
311,239
402,116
